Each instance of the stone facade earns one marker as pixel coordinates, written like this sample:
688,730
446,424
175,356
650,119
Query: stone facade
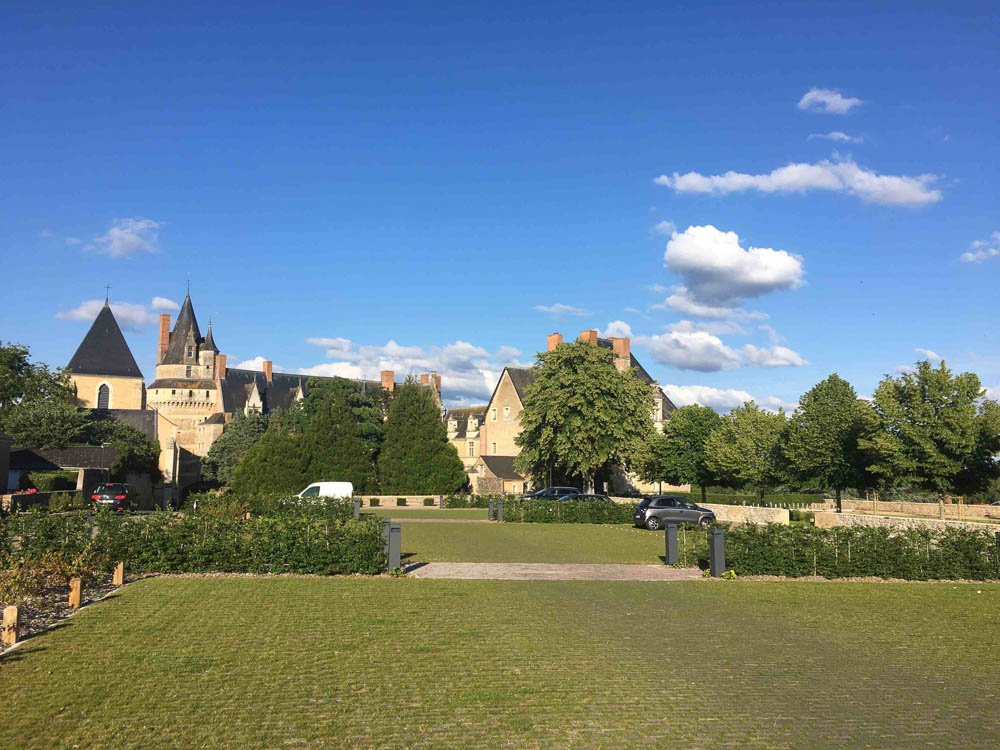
828,519
464,427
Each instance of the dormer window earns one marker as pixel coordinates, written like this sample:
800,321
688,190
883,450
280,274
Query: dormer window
190,351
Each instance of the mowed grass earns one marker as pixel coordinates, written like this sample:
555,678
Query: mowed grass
354,662
401,514
534,542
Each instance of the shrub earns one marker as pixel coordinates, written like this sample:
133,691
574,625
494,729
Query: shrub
428,502
64,501
569,511
375,502
400,501
48,481
473,501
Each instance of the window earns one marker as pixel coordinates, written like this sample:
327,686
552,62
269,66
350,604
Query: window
187,371
207,394
471,448
506,414
493,415
493,447
173,391
104,397
190,351
190,394
311,492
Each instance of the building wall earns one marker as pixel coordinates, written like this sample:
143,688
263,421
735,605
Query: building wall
507,407
125,393
468,443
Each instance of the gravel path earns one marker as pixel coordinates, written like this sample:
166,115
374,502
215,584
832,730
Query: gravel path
552,572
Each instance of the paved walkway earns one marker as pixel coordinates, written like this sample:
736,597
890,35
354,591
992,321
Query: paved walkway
552,572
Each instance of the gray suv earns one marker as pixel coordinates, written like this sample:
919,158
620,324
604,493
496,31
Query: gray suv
656,512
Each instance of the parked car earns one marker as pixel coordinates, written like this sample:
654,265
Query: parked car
579,496
552,493
656,512
116,496
328,489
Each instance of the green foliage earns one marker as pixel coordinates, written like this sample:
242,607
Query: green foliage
582,416
416,456
400,501
931,429
333,444
237,437
743,450
570,511
135,453
862,551
677,456
63,501
37,406
821,443
274,464
48,481
428,502
374,502
472,501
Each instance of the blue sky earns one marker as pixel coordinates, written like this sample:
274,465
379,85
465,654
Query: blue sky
417,186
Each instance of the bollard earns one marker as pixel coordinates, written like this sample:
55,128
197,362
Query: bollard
74,593
717,552
500,510
11,626
670,532
489,513
357,507
395,544
119,578
441,502
386,523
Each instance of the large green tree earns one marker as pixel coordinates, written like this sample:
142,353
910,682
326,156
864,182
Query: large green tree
821,443
743,450
134,451
416,456
37,405
582,416
934,430
677,455
239,436
335,445
274,464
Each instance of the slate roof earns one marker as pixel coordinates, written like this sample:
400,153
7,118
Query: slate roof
501,467
103,350
80,457
521,377
640,372
186,323
144,420
278,394
461,417
210,340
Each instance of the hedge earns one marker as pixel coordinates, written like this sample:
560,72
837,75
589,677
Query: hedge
568,511
474,501
48,481
862,551
310,541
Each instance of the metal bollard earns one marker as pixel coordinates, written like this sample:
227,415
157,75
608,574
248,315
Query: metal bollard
489,513
500,510
386,523
357,507
441,502
395,545
670,532
717,552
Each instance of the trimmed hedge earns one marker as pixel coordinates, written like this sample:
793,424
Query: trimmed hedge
474,501
48,481
306,541
862,551
429,502
569,511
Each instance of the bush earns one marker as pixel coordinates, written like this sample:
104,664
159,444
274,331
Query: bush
64,501
48,481
375,502
801,515
400,501
474,501
570,511
861,551
428,502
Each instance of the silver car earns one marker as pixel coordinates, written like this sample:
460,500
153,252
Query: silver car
656,512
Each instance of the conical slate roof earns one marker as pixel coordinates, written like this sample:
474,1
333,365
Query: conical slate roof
103,350
186,323
209,340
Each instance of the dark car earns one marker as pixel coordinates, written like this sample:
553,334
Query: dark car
579,496
656,512
113,496
552,493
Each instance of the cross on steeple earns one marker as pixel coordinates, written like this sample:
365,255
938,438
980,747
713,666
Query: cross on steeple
107,293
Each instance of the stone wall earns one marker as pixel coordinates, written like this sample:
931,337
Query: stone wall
830,519
953,511
736,513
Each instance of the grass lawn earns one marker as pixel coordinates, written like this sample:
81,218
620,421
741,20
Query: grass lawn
535,542
401,514
354,662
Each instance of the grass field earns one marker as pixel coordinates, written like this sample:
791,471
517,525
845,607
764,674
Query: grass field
312,662
401,514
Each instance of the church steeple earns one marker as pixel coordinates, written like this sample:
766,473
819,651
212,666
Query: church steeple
185,336
104,350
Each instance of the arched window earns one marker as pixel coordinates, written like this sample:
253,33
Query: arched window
104,397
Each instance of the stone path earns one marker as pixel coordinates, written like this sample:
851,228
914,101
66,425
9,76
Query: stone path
552,572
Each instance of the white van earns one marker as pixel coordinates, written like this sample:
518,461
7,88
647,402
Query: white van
328,489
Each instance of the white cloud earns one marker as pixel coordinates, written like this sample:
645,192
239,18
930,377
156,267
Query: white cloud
46,234
559,309
127,237
981,250
695,350
928,354
74,241
776,356
842,176
904,368
713,326
257,363
617,329
663,227
657,288
721,399
131,317
163,304
829,101
837,136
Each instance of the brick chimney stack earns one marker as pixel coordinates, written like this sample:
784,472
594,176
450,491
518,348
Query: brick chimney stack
220,366
553,341
589,336
436,382
388,380
164,336
623,353
425,379
268,369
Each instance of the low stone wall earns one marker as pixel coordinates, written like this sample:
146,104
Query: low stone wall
748,514
952,512
828,519
25,500
389,501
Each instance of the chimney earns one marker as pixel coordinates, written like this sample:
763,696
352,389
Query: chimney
220,366
553,341
623,353
268,367
388,380
436,382
425,379
589,336
164,336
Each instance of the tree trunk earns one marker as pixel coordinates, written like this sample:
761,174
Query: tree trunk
703,495
840,507
760,495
